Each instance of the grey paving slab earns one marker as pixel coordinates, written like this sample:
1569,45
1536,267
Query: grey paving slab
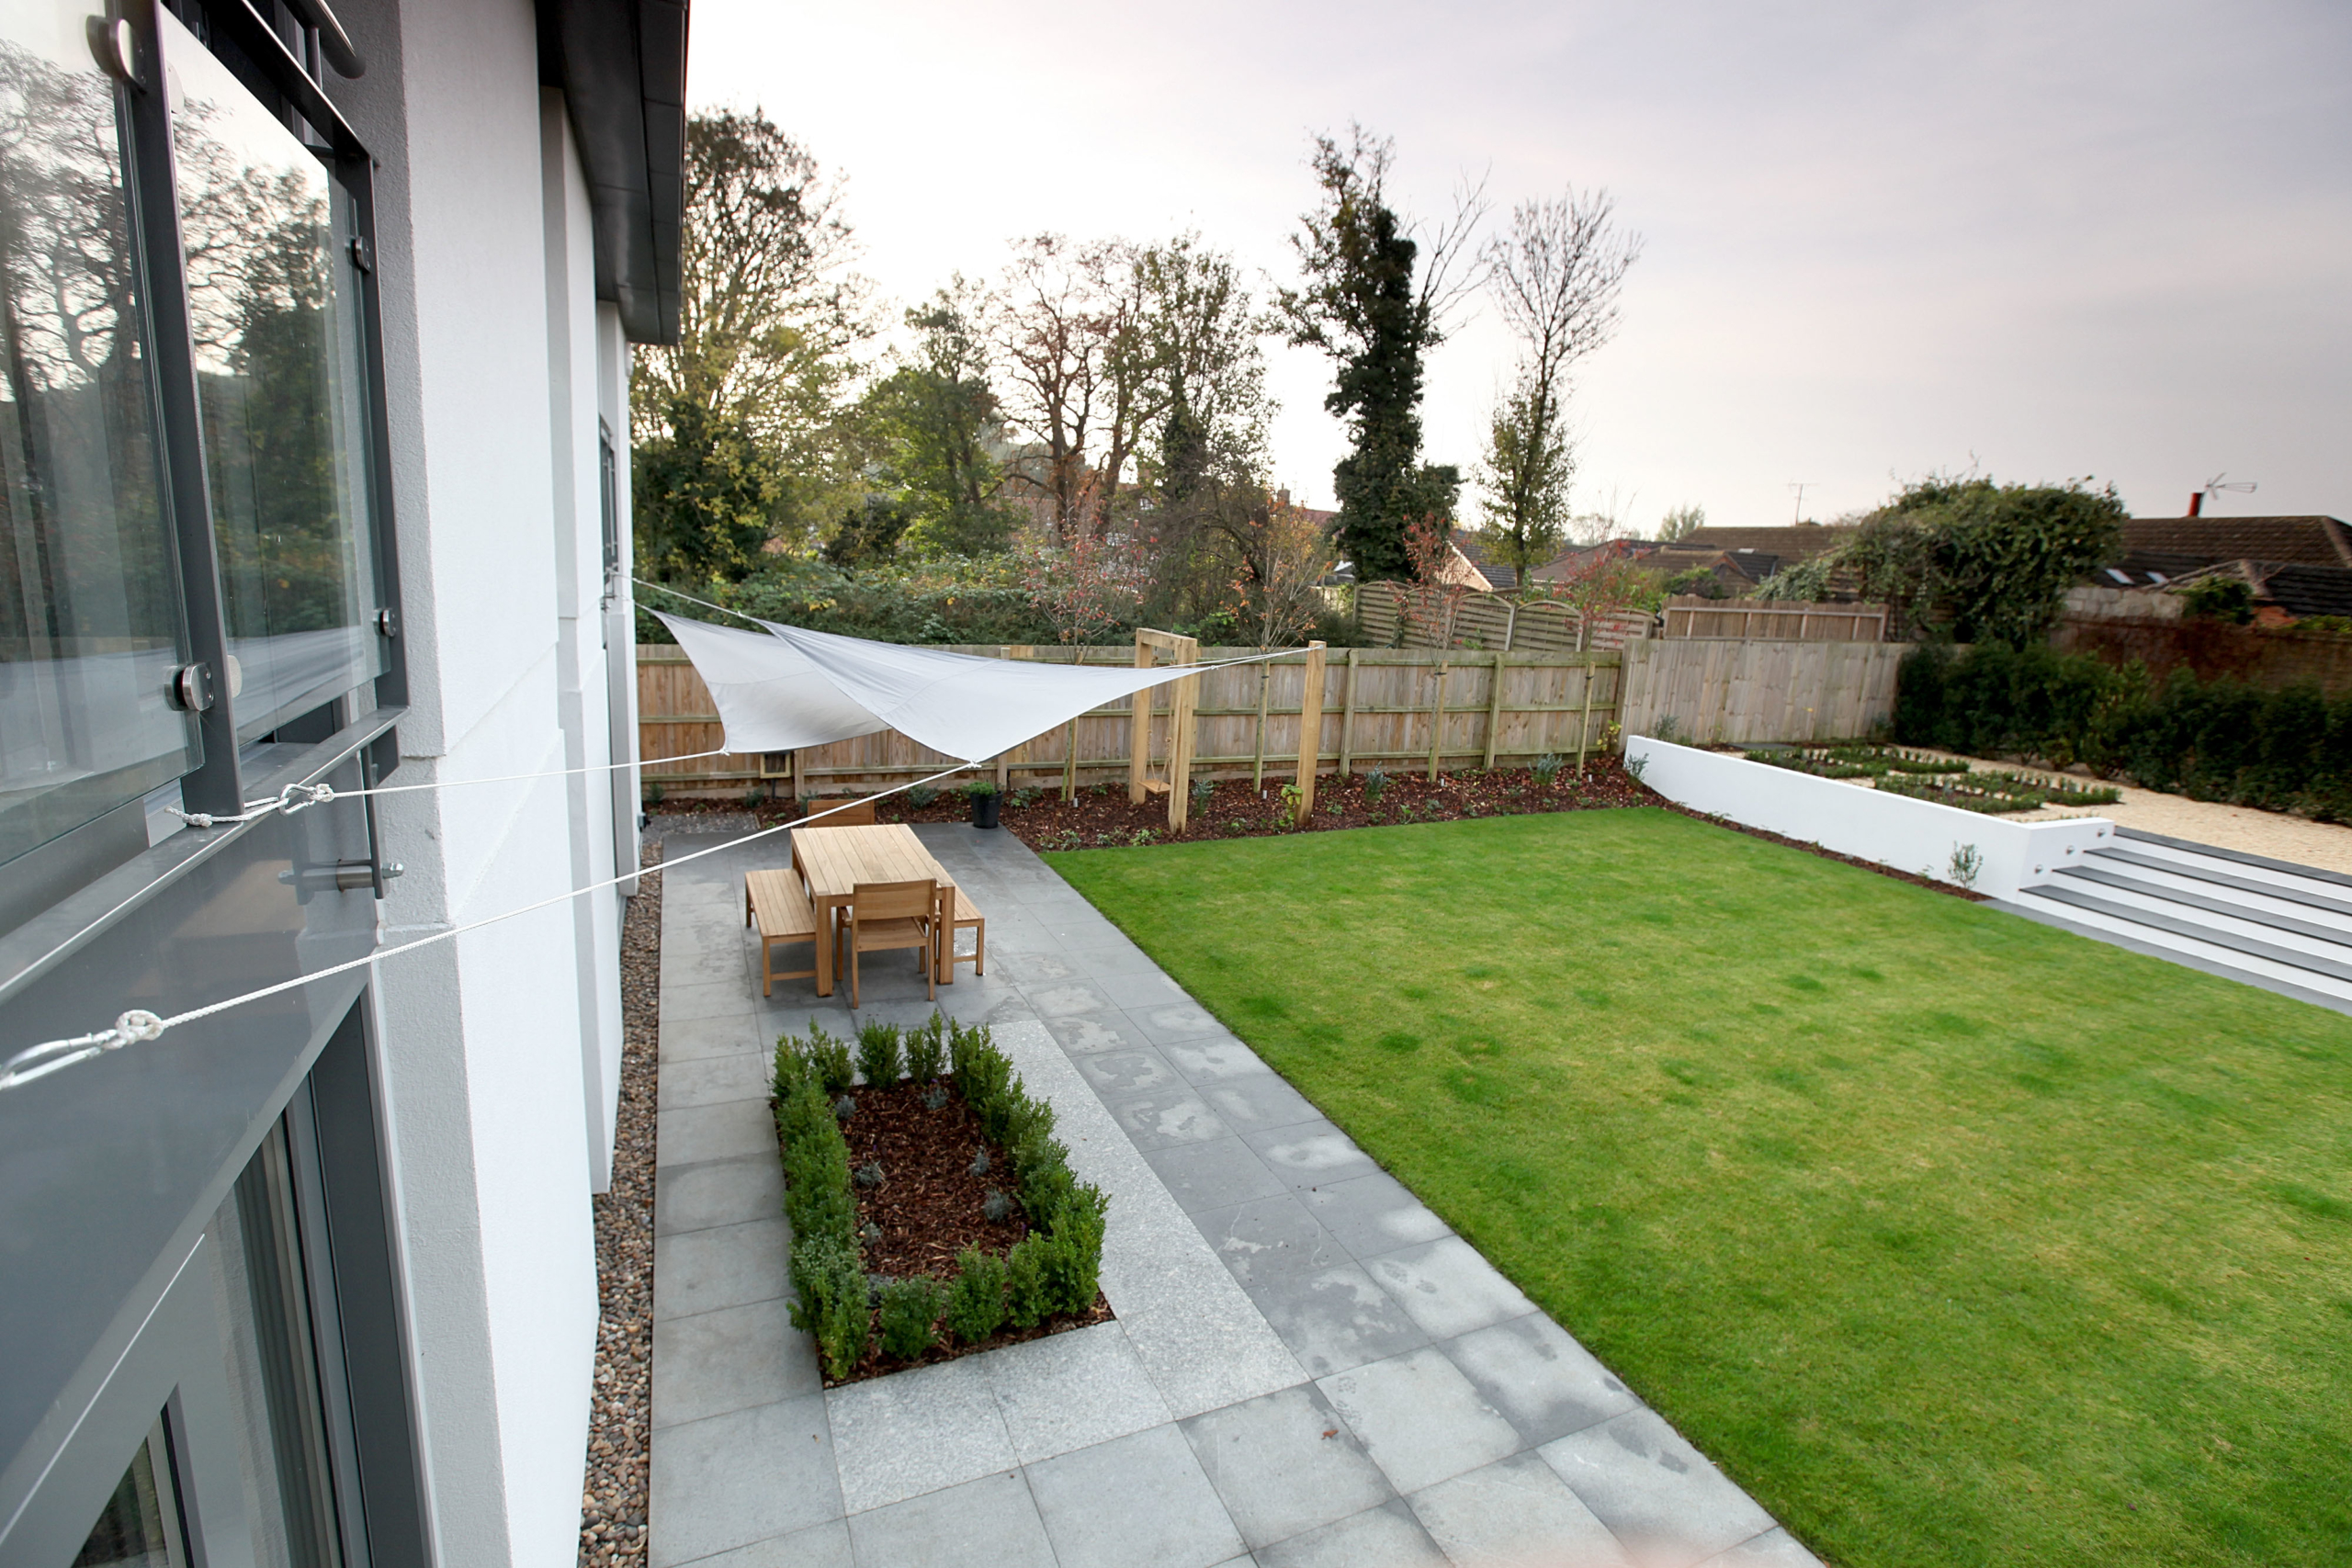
718,1192
719,963
1214,1060
1089,1032
1259,1102
1126,1072
1135,989
728,998
1656,1493
739,1478
1160,1118
818,1546
1134,1501
1336,1318
1122,957
713,1080
912,1432
1420,1419
992,1522
1447,1288
1015,932
738,1032
1269,1238
1067,998
797,1016
1515,1513
693,1133
730,1358
1388,1536
1776,1547
1284,1463
1039,968
1176,1023
1214,1175
1071,1391
1372,1214
1312,1153
1546,1383
722,1266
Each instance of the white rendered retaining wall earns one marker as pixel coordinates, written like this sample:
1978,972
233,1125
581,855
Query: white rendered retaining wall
1895,830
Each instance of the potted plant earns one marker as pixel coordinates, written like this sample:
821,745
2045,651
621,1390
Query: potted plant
985,800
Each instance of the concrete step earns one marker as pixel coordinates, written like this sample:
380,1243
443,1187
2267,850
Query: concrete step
2265,964
2215,879
2309,881
2240,914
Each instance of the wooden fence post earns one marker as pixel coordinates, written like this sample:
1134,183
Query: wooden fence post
1181,740
1139,727
1348,717
1310,728
1494,706
1437,717
1257,752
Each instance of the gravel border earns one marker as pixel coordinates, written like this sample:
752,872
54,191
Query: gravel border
621,1419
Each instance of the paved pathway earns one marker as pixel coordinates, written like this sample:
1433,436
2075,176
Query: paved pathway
1307,1366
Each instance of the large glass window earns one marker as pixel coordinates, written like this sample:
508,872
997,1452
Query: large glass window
273,300
90,623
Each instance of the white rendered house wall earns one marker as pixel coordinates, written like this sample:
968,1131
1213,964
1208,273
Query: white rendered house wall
1923,837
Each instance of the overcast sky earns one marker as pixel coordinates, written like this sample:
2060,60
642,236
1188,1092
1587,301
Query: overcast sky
2043,240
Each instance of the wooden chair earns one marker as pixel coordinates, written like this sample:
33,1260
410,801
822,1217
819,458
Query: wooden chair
776,901
886,914
859,814
965,913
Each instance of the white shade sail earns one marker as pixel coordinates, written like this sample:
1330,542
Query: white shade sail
790,687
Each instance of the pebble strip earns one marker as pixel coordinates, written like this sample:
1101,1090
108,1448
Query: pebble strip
612,1510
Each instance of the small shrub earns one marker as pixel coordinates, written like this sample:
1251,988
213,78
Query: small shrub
1667,729
878,1056
1142,836
975,1300
792,1065
832,1303
908,1310
1202,790
1024,798
1546,768
981,789
1027,1301
922,795
829,1061
1377,781
1967,865
1073,1263
927,1050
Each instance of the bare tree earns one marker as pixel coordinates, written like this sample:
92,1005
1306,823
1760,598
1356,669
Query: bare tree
1067,328
1555,277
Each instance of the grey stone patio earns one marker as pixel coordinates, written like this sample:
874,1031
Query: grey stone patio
1307,1367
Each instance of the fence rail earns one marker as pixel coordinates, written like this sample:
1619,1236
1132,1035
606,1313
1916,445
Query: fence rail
1381,708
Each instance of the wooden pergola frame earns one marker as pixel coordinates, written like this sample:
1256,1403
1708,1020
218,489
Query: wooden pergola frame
1150,645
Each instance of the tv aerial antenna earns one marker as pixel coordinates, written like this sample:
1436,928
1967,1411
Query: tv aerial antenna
2215,486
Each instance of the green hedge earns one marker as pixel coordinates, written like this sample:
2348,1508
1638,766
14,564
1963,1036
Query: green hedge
1054,1269
974,602
2221,739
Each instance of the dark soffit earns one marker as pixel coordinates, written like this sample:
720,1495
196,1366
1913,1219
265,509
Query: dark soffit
622,66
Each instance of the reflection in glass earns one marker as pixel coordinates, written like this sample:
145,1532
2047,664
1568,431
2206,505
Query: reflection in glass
272,305
90,625
262,1296
139,1527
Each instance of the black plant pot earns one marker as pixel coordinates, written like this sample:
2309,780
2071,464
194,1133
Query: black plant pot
984,809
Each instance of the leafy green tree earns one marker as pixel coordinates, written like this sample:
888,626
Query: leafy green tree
1556,277
1969,561
770,321
936,432
1681,522
1376,306
708,492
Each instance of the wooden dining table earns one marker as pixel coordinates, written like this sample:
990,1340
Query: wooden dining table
832,862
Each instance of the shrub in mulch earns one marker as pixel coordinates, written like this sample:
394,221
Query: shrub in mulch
934,1213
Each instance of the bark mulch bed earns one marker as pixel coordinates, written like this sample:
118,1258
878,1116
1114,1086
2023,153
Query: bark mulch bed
1102,817
930,1206
621,1419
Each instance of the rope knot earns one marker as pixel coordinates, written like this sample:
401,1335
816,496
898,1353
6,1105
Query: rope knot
136,1027
295,797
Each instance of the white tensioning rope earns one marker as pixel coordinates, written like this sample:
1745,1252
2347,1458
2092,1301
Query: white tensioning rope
139,1026
294,797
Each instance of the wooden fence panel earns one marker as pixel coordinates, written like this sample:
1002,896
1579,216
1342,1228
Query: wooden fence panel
1491,622
1717,691
1774,620
1379,710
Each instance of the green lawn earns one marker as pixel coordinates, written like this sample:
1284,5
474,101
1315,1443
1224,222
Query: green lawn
1954,1238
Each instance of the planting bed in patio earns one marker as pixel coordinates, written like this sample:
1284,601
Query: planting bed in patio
1954,1238
934,1214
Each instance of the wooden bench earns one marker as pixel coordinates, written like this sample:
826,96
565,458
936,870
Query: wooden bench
842,814
775,901
967,914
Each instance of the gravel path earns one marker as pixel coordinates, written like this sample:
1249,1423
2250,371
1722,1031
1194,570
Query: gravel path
612,1508
2273,834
